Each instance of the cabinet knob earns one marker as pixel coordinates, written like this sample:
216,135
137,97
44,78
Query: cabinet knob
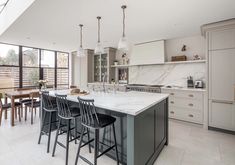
172,112
191,105
172,94
191,95
190,115
172,102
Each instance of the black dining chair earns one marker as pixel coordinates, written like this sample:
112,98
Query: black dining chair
66,115
95,121
48,108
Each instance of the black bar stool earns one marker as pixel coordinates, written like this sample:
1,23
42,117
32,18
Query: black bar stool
47,108
95,121
66,115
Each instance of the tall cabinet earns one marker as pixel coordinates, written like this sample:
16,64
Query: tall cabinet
221,73
101,65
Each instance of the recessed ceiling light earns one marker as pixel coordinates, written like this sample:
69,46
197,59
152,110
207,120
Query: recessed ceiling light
28,38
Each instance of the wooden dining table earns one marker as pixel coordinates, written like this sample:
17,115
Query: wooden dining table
13,95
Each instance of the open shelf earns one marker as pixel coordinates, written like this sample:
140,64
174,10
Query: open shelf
185,62
166,63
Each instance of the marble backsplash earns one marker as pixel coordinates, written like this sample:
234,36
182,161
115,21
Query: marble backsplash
174,74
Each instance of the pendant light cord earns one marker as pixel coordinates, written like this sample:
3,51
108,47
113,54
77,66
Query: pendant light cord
81,35
98,29
123,21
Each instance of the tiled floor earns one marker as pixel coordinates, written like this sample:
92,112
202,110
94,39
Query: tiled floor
189,145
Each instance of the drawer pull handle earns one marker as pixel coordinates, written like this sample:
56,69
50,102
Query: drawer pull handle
172,112
172,94
190,115
190,95
191,105
172,102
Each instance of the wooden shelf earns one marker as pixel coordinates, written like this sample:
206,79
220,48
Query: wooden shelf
120,66
166,63
185,62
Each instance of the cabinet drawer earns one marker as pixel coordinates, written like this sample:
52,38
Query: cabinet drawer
185,114
184,94
222,39
186,103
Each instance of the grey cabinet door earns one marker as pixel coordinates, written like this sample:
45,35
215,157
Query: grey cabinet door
144,135
160,124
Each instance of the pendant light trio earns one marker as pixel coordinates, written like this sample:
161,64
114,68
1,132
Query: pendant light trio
123,42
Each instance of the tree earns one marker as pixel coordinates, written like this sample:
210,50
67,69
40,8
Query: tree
12,58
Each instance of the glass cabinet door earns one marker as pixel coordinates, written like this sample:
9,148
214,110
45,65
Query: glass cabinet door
97,69
104,64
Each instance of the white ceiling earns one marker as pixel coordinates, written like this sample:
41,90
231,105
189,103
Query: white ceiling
53,24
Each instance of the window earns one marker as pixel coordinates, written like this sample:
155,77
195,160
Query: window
62,70
48,66
9,66
30,66
35,64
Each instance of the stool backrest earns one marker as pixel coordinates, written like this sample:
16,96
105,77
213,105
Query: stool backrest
88,111
63,106
47,100
1,104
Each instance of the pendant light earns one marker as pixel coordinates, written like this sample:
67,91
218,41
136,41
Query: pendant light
81,52
123,42
99,48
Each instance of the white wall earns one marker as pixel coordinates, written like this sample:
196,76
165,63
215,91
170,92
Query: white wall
194,45
173,74
12,11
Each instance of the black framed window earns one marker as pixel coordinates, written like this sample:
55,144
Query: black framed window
30,67
62,70
9,66
22,66
48,67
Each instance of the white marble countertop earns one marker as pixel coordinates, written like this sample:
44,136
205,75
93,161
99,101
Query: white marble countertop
131,103
185,89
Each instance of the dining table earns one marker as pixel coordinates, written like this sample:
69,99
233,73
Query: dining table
13,95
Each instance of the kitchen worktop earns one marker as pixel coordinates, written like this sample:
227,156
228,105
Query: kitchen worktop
131,103
185,89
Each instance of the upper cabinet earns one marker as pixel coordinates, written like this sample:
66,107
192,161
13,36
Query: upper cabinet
148,53
222,39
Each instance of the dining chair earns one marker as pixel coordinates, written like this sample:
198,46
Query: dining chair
23,101
33,104
5,107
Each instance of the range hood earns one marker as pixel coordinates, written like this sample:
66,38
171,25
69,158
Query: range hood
148,53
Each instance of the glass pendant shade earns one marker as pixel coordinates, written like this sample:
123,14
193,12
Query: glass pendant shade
123,44
80,52
99,48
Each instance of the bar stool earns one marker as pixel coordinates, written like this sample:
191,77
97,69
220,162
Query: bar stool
47,108
95,121
66,114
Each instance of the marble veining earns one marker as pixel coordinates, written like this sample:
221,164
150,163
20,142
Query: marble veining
175,74
131,103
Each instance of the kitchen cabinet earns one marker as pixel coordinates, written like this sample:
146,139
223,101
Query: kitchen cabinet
222,74
222,39
222,115
186,105
101,65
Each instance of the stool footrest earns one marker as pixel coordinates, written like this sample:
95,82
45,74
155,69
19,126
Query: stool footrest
105,151
85,160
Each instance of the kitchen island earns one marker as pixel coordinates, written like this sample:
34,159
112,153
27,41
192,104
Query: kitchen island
141,125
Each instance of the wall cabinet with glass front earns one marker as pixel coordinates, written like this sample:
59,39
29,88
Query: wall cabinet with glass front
102,65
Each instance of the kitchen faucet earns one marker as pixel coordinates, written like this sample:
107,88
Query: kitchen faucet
103,79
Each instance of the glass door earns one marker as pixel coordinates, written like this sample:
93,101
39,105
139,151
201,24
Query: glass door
97,68
104,68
